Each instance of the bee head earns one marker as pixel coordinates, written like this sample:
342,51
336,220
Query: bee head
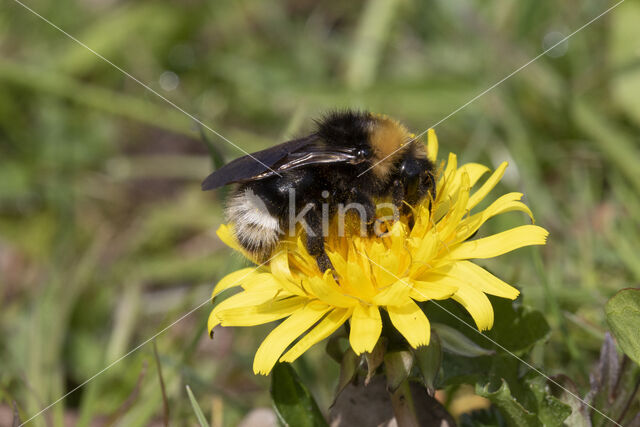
375,140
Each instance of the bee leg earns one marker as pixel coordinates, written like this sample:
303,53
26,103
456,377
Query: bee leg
314,242
371,217
397,195
417,176
426,186
324,263
367,214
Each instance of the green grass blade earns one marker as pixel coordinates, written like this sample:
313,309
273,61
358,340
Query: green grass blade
196,408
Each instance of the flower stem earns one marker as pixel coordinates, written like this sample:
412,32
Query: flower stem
403,407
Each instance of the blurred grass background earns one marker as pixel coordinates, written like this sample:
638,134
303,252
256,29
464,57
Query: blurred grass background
106,238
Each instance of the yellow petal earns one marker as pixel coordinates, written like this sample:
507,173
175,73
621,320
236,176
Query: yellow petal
357,282
498,244
445,186
243,300
212,322
411,322
478,306
279,266
262,313
396,240
301,260
481,279
452,220
441,207
248,298
282,336
261,281
328,291
422,220
456,184
234,279
475,171
424,253
487,186
435,287
339,263
506,203
366,326
383,264
394,294
225,233
323,329
432,145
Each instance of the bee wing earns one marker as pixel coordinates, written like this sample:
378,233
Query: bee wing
288,155
249,166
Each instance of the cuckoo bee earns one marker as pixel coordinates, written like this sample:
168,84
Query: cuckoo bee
352,157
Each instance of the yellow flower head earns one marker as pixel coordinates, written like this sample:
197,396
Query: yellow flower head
426,261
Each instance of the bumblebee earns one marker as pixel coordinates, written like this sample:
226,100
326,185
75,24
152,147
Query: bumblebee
352,159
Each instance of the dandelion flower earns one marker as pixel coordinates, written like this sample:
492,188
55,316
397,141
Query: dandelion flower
428,259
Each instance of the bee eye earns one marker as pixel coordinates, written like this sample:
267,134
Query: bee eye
364,153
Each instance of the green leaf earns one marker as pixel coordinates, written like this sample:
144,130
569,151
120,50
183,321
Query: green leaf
196,408
623,316
348,369
551,411
375,358
397,367
334,349
511,409
532,405
429,360
292,401
579,416
516,328
454,341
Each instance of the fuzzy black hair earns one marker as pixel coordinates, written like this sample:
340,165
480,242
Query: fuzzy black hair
349,127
